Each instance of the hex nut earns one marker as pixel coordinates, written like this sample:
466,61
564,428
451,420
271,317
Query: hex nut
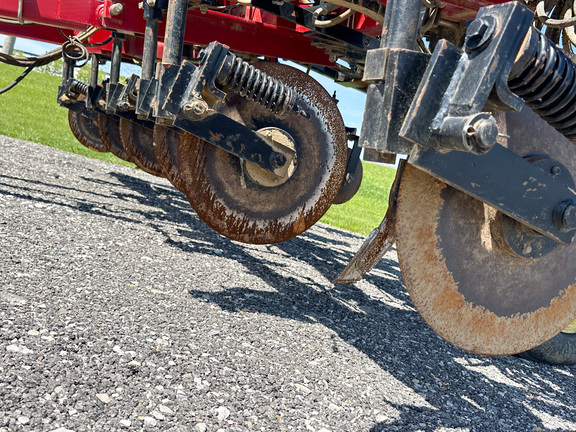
569,216
480,31
116,9
197,108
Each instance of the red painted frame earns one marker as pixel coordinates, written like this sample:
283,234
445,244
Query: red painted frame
254,32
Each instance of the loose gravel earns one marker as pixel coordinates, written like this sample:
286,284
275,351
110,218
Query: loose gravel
120,310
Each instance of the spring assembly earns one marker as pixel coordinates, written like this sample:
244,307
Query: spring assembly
545,78
79,88
253,84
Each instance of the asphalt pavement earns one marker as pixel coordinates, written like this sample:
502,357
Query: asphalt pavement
121,310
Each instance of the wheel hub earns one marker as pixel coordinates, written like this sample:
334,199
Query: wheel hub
519,240
279,140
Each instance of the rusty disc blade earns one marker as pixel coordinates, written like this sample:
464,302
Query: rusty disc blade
85,129
166,152
138,142
228,195
466,287
109,131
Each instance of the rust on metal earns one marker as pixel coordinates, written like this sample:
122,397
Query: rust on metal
85,130
225,196
380,240
137,141
109,130
166,152
472,292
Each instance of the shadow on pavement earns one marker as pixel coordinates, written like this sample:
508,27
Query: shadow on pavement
385,327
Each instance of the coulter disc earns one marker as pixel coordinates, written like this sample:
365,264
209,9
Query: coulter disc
85,129
138,142
109,131
248,204
472,291
166,152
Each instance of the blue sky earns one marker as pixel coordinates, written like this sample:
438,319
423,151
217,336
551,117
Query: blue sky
351,101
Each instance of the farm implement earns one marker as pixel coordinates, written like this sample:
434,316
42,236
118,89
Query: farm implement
479,94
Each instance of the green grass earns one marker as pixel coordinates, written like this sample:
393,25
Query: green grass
366,210
30,112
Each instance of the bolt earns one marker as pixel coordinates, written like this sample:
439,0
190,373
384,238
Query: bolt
124,105
151,3
565,215
116,9
569,216
197,108
480,31
202,56
483,134
277,160
556,170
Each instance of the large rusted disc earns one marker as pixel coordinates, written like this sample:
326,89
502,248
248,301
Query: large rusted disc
243,203
166,152
138,142
85,129
109,131
466,287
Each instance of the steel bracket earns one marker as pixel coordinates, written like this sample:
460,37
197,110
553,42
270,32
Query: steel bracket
163,88
354,157
121,97
505,181
146,94
457,83
387,102
197,84
239,140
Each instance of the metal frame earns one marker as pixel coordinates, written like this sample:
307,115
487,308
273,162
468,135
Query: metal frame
256,32
447,93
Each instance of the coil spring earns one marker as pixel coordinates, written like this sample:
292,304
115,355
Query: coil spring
79,87
547,84
253,84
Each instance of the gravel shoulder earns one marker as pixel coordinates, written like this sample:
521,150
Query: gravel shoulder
121,310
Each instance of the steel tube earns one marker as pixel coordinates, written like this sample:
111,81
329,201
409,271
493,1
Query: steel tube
401,23
150,49
94,70
175,29
116,60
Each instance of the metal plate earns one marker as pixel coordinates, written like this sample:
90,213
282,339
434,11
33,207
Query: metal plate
109,131
166,152
471,292
380,240
85,130
351,185
239,208
137,141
